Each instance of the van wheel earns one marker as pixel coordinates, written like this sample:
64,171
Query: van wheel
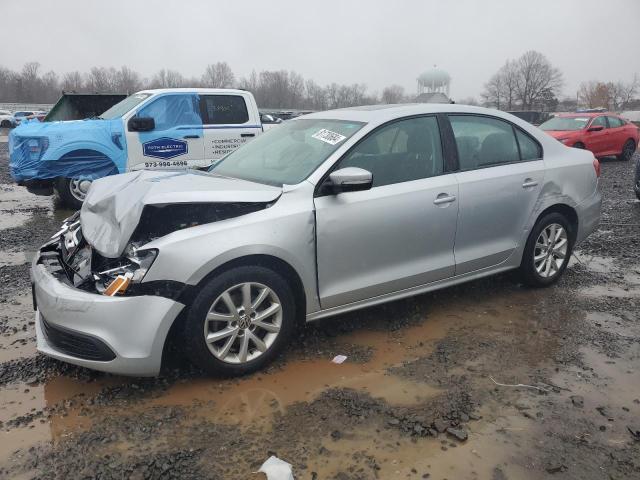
628,150
240,321
72,191
547,251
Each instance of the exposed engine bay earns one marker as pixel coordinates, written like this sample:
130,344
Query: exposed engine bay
71,259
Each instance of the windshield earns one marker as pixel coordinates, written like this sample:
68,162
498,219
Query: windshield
565,123
287,154
124,106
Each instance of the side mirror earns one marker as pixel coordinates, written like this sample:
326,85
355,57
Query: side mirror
595,128
141,124
350,179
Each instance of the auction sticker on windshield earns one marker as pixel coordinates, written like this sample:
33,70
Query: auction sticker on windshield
328,136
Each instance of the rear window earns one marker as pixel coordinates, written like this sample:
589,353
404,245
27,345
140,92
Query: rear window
224,109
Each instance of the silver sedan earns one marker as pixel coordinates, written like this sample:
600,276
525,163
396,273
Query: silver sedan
328,213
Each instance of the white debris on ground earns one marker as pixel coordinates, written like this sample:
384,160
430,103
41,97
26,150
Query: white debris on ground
276,469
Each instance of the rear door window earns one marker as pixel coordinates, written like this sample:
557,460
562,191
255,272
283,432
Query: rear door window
529,148
599,122
615,122
483,141
224,110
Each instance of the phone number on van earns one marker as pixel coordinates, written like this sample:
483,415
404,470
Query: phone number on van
175,163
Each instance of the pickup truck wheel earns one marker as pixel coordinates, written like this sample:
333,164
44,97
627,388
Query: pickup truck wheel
240,321
72,191
628,150
547,251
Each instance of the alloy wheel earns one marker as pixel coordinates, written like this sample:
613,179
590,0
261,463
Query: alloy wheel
628,150
78,187
551,250
243,322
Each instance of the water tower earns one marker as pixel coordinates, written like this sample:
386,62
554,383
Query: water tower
433,86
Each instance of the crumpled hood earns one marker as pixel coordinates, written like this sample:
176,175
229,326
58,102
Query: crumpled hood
113,206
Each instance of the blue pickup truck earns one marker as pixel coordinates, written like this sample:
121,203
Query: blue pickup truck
159,129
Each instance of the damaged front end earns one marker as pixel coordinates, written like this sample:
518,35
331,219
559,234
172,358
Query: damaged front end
72,260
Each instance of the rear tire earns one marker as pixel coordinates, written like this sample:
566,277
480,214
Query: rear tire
227,335
5,124
547,251
579,145
72,192
628,149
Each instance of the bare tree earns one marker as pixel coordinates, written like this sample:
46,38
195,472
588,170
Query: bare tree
536,77
594,94
218,75
127,81
393,94
623,93
276,89
316,96
468,101
72,82
530,81
167,79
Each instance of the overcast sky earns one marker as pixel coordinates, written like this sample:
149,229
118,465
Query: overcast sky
373,42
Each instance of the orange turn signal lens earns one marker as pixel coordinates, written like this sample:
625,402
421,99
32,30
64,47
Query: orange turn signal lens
119,285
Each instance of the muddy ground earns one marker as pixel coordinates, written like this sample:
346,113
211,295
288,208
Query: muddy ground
421,395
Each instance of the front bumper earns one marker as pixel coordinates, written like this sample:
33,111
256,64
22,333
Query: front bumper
133,328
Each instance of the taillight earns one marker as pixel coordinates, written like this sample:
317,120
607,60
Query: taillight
596,166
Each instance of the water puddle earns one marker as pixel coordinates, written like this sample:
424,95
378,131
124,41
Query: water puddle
14,258
13,219
593,262
243,401
611,290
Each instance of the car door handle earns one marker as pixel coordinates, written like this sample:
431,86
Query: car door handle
191,136
444,198
528,183
247,135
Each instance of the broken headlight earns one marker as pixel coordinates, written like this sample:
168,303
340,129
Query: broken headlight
141,261
133,267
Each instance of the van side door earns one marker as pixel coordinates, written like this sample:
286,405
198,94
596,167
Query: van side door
176,139
230,120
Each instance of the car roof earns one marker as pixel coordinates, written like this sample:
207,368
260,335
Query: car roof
586,114
384,113
194,90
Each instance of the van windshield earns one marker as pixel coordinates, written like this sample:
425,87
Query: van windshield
288,153
120,108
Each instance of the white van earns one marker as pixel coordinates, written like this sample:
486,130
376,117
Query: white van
166,128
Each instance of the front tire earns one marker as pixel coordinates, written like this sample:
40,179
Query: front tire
628,149
240,321
5,124
72,191
547,251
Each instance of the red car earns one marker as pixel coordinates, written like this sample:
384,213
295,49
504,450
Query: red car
605,134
